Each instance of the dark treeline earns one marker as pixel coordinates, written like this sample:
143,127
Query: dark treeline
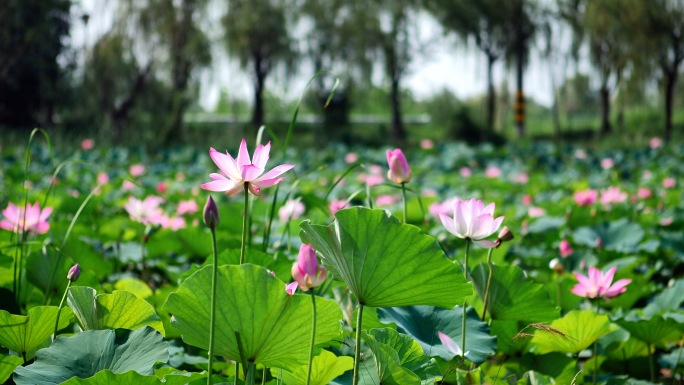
142,75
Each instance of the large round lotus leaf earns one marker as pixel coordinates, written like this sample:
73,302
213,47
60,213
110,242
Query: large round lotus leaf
86,353
621,235
7,366
512,296
573,333
25,334
119,310
274,327
324,368
423,322
655,330
386,263
399,358
107,377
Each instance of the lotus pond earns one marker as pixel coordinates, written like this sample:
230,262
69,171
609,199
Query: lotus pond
443,264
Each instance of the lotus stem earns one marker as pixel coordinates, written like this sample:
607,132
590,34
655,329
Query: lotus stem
463,329
489,283
61,305
313,337
249,376
403,197
465,265
245,223
595,356
357,350
212,319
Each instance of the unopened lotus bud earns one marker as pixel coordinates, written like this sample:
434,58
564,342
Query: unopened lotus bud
74,273
505,235
556,266
211,215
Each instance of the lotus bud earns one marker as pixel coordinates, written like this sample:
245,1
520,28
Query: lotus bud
399,170
556,266
211,215
306,271
74,273
505,235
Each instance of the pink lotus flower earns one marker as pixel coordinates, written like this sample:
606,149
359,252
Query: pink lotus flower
465,172
306,271
580,154
385,200
607,163
102,178
655,142
666,221
451,345
527,200
172,223
534,212
427,144
669,182
146,212
647,175
162,187
292,209
446,207
30,219
399,170
613,195
586,197
598,284
351,157
473,221
127,185
644,193
564,248
521,178
243,172
87,144
187,207
291,287
493,172
74,273
337,205
136,170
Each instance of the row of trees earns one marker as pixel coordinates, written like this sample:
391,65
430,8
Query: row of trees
144,71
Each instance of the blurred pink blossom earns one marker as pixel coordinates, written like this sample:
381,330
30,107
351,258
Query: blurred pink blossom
521,178
87,144
586,197
644,193
527,200
172,223
385,200
493,172
429,192
669,182
187,207
180,176
427,144
613,195
337,205
127,185
534,212
292,209
446,207
580,154
351,157
607,163
647,174
162,187
564,248
30,219
655,142
598,284
465,172
451,345
102,178
666,221
374,177
147,211
136,170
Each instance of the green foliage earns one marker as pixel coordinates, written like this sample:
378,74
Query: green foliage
26,334
573,333
325,368
386,263
85,354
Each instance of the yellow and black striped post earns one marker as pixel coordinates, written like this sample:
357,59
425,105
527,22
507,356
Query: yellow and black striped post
520,111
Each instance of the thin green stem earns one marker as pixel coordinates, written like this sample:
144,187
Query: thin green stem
313,337
245,223
212,321
463,328
403,197
15,283
61,305
595,357
249,376
357,350
465,267
489,283
263,376
237,373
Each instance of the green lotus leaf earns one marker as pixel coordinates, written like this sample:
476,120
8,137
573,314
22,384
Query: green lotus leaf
423,322
668,299
621,235
85,354
107,377
136,286
399,358
324,368
274,327
573,333
386,263
512,296
119,310
25,334
7,366
655,330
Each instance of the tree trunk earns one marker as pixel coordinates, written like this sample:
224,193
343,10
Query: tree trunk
491,97
260,72
670,82
398,132
605,110
519,94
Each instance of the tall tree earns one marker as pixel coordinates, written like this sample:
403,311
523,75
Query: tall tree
258,35
489,23
32,81
524,28
657,37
